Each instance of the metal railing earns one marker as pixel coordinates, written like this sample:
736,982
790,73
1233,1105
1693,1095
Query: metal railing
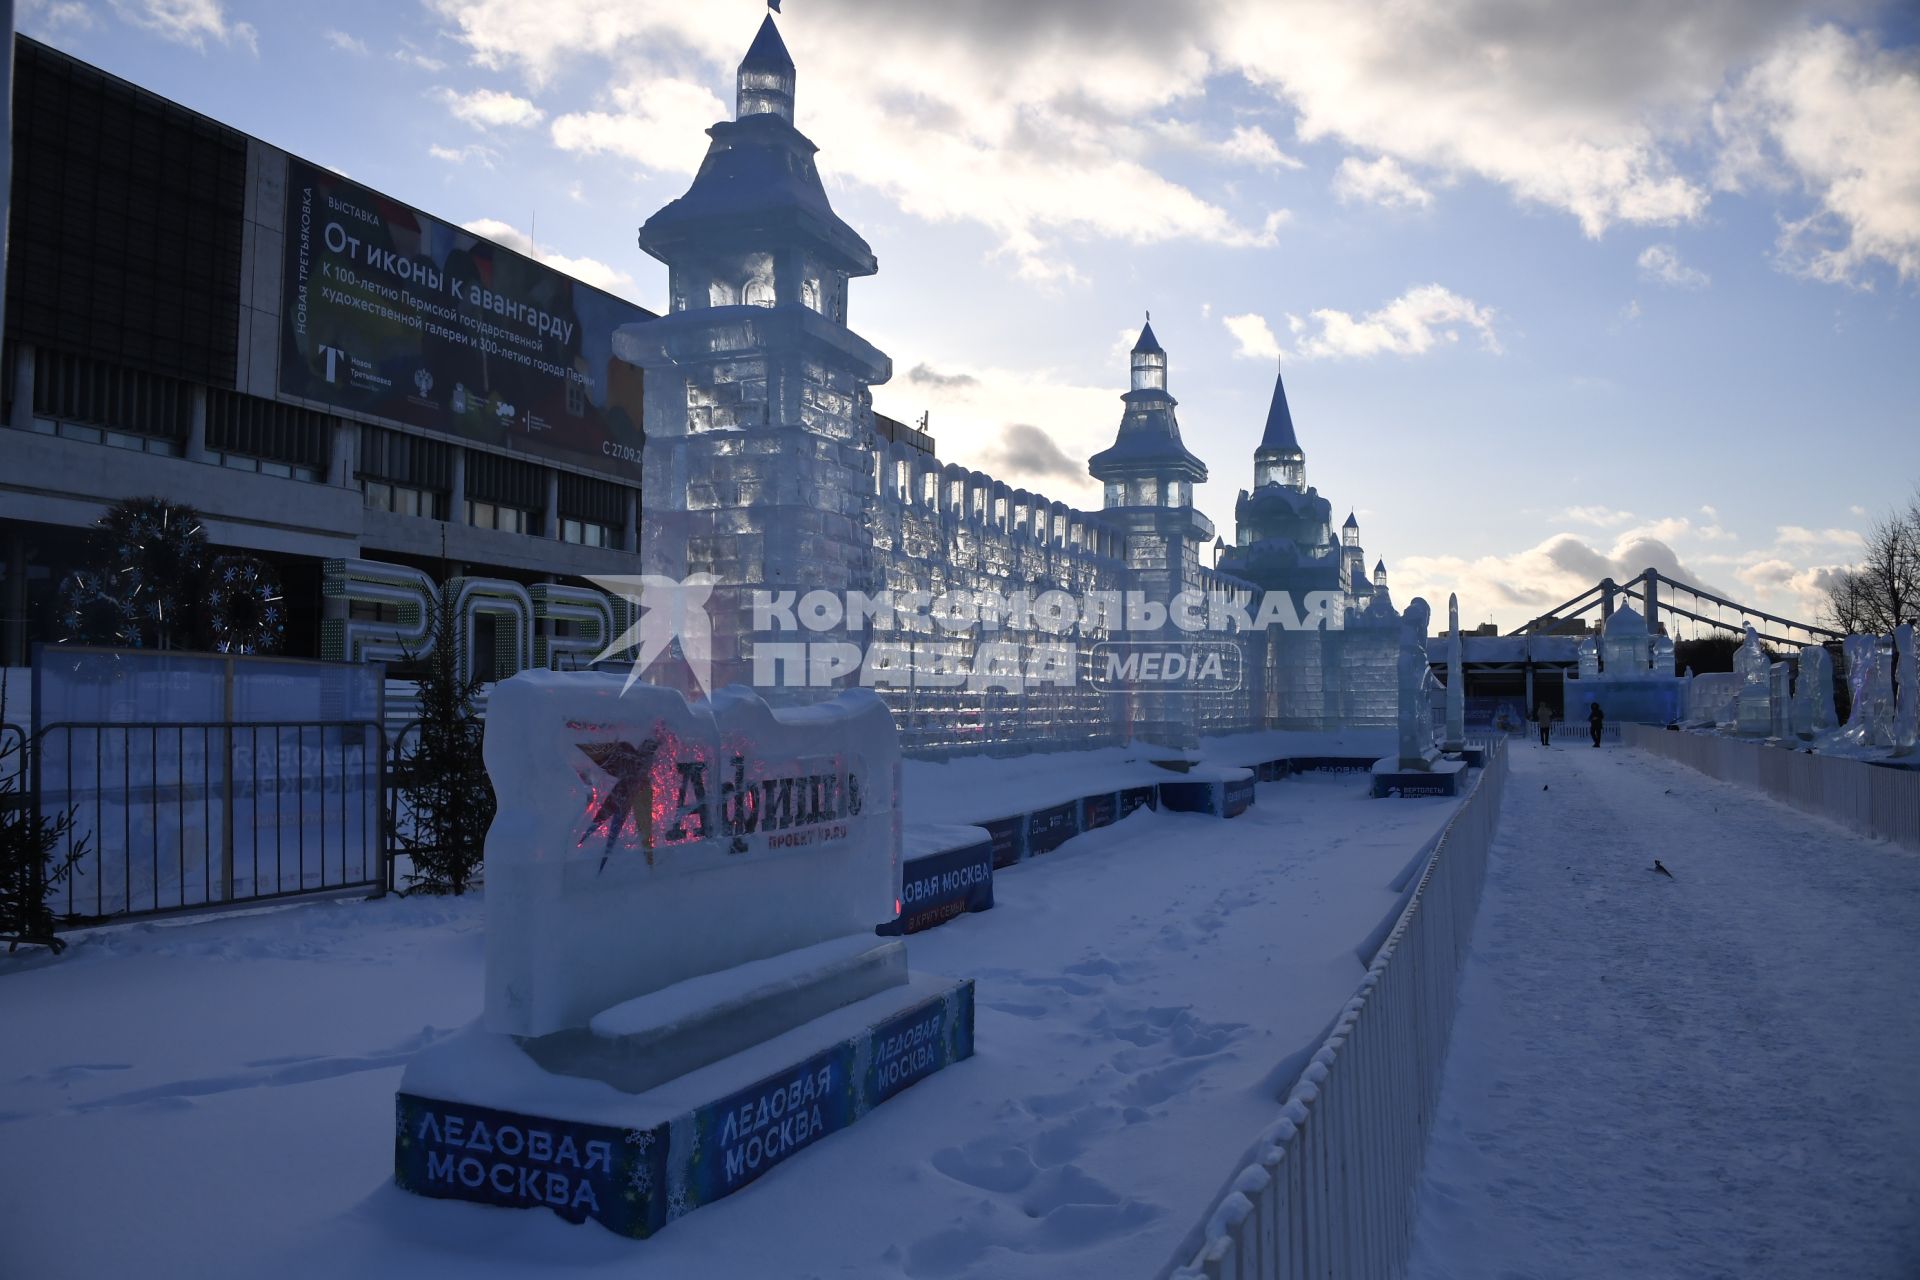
187,816
1329,1188
1872,799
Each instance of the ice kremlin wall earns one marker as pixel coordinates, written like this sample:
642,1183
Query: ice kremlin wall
764,473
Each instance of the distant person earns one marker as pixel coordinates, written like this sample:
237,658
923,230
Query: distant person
1543,716
1596,721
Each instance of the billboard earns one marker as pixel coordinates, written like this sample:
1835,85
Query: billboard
392,313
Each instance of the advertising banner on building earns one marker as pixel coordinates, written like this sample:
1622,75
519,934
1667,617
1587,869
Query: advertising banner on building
395,314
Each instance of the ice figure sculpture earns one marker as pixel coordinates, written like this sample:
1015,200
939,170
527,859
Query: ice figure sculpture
1751,664
1813,712
1589,652
1880,694
1906,716
1663,656
1779,700
1870,683
1416,689
1456,682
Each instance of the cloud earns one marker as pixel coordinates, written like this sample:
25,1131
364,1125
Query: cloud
1381,182
188,22
55,17
412,57
1605,517
491,108
473,152
1661,264
658,122
1517,587
1029,452
924,375
995,419
1035,127
1832,115
1793,535
1250,144
1253,337
1410,324
346,43
591,270
1043,120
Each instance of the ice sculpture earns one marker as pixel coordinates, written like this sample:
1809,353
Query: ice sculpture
1870,681
1625,643
1663,656
1779,695
1813,712
1416,689
1589,652
1906,716
1880,694
1456,681
1751,664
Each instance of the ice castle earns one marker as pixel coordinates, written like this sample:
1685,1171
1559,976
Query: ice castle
766,471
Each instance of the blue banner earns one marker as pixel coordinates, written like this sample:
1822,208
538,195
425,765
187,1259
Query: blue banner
455,1151
1048,829
1005,834
940,886
1238,797
741,1137
1098,811
1138,798
914,1045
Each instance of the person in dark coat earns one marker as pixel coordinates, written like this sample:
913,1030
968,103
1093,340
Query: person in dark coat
1543,716
1596,721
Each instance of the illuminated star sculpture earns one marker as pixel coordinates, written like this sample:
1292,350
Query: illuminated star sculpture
631,769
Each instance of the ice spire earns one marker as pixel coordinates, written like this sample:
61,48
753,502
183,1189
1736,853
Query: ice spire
1149,360
766,80
1279,437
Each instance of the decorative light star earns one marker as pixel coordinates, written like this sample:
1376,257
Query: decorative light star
631,769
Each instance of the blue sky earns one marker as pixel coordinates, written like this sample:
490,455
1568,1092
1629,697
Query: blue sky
1559,288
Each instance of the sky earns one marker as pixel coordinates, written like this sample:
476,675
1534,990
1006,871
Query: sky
1560,290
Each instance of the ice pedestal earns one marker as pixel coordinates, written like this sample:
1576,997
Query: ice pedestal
683,981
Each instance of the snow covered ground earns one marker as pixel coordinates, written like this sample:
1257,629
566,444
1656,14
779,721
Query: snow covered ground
1709,1076
215,1098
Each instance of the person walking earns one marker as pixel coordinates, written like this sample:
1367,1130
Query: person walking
1543,715
1596,721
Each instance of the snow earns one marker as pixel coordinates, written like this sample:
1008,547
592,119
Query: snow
216,1097
744,984
1700,1077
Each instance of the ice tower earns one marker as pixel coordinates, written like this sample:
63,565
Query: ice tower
1283,528
757,392
1149,476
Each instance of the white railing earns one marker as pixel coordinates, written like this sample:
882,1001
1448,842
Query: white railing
1874,800
1329,1188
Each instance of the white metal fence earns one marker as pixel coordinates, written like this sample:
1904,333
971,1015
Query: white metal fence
1874,800
1329,1190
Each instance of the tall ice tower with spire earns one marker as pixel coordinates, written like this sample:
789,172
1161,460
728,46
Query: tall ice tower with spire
1149,476
758,405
